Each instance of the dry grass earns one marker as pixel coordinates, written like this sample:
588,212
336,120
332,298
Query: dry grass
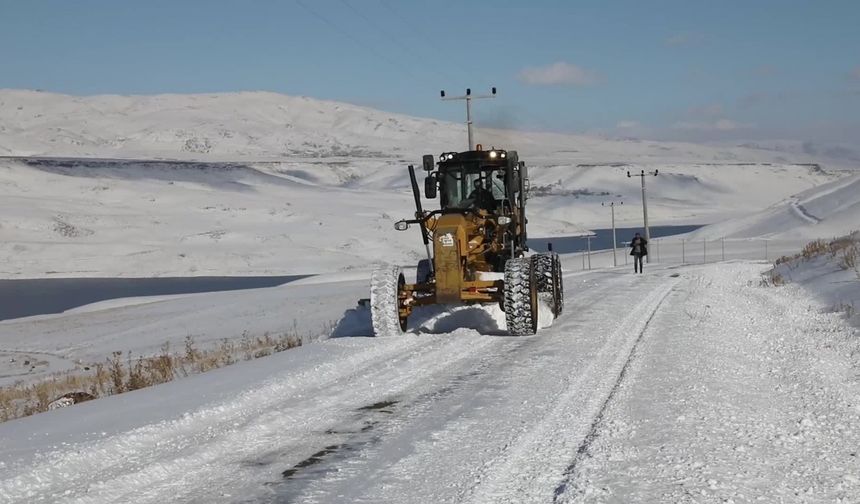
772,279
124,372
848,259
847,309
845,248
814,249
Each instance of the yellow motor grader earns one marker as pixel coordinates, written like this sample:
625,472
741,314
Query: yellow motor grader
478,237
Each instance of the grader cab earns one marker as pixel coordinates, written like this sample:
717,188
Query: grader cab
476,245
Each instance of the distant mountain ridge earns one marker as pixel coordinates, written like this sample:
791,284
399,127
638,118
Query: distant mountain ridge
272,126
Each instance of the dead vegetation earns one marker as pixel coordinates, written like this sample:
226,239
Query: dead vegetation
843,251
124,372
772,279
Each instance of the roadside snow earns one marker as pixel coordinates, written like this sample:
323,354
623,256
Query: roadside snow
740,393
684,384
832,277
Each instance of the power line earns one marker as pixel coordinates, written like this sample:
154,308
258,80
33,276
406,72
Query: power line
355,40
426,38
392,38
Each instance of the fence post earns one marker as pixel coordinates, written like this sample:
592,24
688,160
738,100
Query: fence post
683,252
723,245
704,250
589,252
765,249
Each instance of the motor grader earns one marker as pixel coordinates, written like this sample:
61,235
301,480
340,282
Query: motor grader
476,246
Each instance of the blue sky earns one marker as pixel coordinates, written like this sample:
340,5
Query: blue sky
699,70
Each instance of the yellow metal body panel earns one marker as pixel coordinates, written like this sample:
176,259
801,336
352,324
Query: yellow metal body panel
459,246
448,243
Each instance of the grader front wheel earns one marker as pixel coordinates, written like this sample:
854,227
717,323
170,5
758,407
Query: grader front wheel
521,303
386,285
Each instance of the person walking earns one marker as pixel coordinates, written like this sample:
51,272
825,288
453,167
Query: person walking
638,249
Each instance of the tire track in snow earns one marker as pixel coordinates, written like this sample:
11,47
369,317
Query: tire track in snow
149,463
529,471
738,393
430,447
583,450
801,212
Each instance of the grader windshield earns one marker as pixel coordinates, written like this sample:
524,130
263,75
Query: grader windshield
471,185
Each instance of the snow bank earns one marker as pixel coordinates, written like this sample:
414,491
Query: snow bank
829,271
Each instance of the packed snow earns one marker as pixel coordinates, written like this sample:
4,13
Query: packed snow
684,383
689,383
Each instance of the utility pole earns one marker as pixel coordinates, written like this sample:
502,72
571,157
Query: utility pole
468,97
614,242
642,175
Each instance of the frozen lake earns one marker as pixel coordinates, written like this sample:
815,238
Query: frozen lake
602,238
23,298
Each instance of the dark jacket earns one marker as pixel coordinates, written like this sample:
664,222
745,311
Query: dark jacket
643,246
483,198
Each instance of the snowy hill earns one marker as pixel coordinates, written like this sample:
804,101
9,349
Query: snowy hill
135,218
825,211
263,125
262,183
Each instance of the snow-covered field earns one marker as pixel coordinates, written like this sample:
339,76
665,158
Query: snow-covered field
272,184
690,383
684,384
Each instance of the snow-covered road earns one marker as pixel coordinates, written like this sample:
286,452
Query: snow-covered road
681,385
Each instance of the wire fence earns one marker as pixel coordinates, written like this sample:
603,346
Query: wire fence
680,251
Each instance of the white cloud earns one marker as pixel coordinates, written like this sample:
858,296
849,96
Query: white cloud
559,74
718,125
627,124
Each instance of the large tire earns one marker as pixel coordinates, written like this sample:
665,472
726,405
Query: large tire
543,266
385,286
558,284
422,273
521,310
550,283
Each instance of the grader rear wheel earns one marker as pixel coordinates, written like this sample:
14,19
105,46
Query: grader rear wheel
548,276
558,286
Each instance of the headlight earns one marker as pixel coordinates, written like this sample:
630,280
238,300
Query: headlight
503,155
401,225
493,154
504,220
